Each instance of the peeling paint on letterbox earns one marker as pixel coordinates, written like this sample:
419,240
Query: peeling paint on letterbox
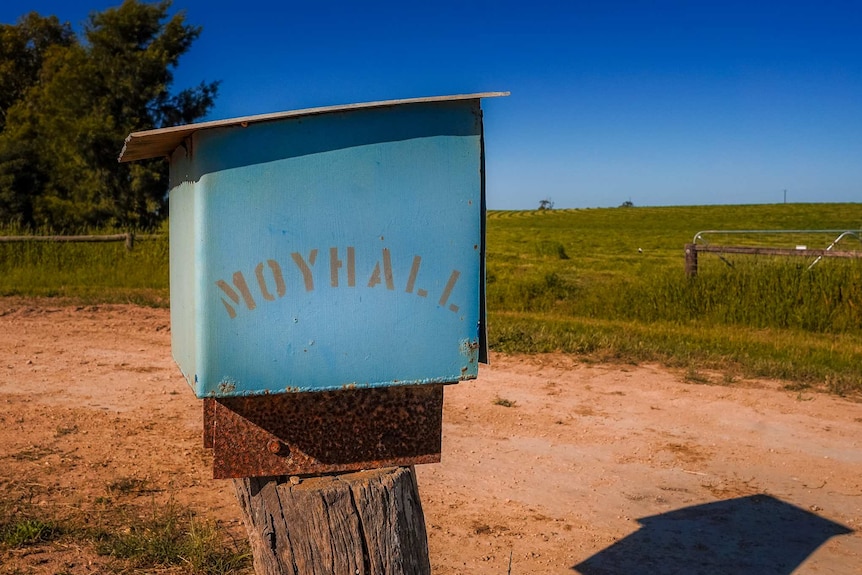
226,387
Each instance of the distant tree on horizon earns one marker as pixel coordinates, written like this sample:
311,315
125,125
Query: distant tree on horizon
546,204
67,104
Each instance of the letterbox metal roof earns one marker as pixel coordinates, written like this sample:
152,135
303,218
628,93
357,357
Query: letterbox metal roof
161,142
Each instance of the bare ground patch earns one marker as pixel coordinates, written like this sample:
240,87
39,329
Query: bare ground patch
546,460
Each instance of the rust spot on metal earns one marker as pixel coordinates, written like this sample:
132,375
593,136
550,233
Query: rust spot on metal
325,432
226,386
470,350
277,448
468,345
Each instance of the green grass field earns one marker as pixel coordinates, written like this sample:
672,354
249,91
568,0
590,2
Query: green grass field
610,284
606,284
87,272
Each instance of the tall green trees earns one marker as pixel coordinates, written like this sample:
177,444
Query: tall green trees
67,103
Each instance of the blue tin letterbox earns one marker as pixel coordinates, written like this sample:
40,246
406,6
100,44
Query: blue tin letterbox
328,248
334,250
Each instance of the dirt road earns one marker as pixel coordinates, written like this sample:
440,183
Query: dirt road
563,466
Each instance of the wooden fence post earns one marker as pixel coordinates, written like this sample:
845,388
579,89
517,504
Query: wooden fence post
691,260
363,523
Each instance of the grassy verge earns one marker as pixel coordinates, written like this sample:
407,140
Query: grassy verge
172,536
158,539
823,361
609,284
86,272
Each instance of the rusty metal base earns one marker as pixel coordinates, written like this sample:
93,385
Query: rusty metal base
323,432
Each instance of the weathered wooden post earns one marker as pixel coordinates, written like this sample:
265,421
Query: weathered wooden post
691,260
327,281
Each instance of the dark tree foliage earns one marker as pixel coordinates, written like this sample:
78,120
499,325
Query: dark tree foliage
68,104
22,51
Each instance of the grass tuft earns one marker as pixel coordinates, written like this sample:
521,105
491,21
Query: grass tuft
127,486
166,537
695,376
504,402
173,537
28,531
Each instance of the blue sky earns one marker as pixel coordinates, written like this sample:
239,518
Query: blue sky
660,103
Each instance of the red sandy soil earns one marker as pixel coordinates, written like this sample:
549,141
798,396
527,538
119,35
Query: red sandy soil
591,468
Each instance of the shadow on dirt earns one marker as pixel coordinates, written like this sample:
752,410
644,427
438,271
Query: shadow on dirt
755,535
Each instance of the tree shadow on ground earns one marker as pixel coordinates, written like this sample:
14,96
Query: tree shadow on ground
755,535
